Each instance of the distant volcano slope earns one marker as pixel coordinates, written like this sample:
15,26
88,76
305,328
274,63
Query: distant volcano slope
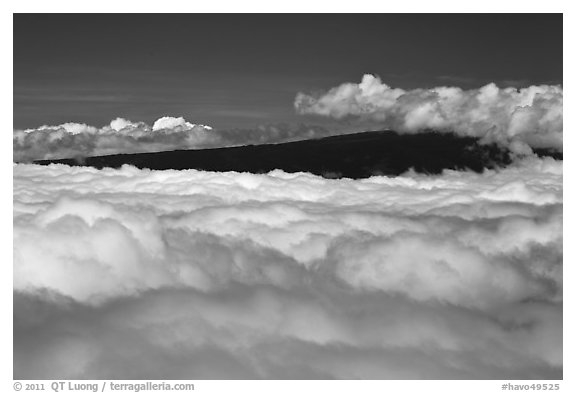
353,156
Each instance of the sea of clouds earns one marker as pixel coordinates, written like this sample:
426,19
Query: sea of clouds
127,273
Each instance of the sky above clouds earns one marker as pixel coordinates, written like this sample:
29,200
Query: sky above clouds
81,89
240,72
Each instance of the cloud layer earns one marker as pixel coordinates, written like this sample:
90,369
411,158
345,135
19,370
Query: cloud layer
144,274
519,118
75,140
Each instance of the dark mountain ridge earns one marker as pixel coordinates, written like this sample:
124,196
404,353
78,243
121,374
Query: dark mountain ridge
353,156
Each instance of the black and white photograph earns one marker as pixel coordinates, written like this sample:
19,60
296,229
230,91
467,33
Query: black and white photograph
288,196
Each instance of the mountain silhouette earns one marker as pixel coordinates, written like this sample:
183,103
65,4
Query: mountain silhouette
353,156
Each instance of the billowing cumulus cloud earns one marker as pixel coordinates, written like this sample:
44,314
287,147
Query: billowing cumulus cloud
120,136
171,123
133,273
520,118
72,140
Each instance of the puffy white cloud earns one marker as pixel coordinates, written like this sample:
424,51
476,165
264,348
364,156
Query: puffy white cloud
527,117
72,140
187,274
120,124
171,123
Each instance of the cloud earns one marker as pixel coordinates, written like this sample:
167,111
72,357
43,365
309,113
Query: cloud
120,136
172,123
133,273
119,124
520,118
72,140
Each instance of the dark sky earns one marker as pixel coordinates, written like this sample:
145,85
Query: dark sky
244,70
